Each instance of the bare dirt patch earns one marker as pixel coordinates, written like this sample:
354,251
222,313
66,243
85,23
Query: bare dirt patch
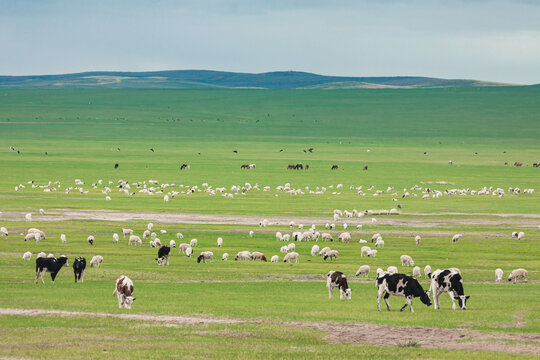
338,333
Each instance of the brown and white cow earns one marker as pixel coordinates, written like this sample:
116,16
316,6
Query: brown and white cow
124,291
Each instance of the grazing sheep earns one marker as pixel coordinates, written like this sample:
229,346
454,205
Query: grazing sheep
41,255
521,235
278,236
225,256
152,244
283,249
498,275
115,238
327,237
150,226
345,237
146,234
364,269
290,256
243,255
274,258
91,240
456,237
427,271
30,236
291,247
189,251
4,231
258,256
179,236
157,243
517,274
324,250
172,243
314,250
134,239
406,260
416,272
392,270
97,261
515,234
417,239
286,237
375,237
28,217
183,247
206,255
193,243
332,254
251,233
365,250
219,242
127,232
372,253
63,238
380,272
379,243
27,255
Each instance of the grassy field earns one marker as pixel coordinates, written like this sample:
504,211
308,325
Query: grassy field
410,134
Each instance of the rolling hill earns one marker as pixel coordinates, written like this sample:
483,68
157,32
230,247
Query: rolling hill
200,79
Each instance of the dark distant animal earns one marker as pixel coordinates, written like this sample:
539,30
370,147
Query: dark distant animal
163,255
281,150
449,281
307,166
336,279
184,166
235,151
50,265
365,168
536,165
400,285
506,163
244,166
518,164
310,150
291,167
46,153
79,265
334,167
152,150
116,166
299,167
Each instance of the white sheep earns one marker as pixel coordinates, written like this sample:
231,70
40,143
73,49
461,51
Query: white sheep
332,254
219,242
417,239
193,243
427,271
115,238
172,243
291,256
521,235
372,253
314,250
291,247
406,260
365,250
96,261
42,255
362,241
274,258
152,244
380,272
134,239
456,237
205,255
278,236
251,233
416,272
91,239
364,269
243,255
283,249
392,270
157,243
286,237
150,226
498,274
345,237
327,237
50,256
225,256
514,234
42,212
189,251
4,231
27,255
63,238
28,217
375,237
126,232
179,236
379,243
517,274
324,250
146,234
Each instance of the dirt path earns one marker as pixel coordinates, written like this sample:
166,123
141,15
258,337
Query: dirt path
423,221
364,333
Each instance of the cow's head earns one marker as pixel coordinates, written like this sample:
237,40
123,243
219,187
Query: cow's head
425,298
462,300
128,300
348,294
160,260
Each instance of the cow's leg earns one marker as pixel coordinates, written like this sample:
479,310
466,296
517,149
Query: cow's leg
379,296
37,275
409,301
340,294
406,303
82,276
436,295
53,276
120,300
42,273
75,275
329,291
451,294
386,296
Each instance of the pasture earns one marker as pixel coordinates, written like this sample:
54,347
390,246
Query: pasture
252,309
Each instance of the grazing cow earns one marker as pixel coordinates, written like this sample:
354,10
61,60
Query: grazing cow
449,281
245,166
291,167
365,168
163,255
50,265
338,279
124,291
334,167
79,265
116,166
400,285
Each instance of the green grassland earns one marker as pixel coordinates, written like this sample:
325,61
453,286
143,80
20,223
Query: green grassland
479,129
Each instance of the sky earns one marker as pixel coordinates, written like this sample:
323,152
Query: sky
492,40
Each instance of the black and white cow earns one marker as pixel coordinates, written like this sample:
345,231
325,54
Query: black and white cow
400,285
50,265
79,265
449,281
338,279
163,255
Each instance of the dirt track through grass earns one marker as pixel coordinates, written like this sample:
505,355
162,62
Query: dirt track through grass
363,333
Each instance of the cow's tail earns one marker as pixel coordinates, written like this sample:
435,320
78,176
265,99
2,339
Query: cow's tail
115,291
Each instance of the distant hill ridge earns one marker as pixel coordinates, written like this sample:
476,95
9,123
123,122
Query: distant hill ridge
201,79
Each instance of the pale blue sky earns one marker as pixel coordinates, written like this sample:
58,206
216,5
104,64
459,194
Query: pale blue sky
483,39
